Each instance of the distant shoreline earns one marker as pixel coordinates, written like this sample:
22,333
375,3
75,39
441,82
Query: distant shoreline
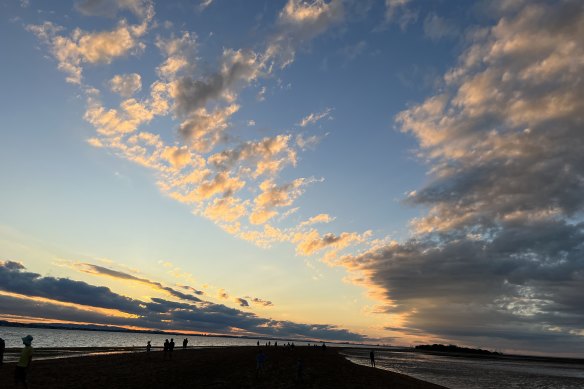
4,323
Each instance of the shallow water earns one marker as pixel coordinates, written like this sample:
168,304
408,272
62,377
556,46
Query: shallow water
476,373
59,339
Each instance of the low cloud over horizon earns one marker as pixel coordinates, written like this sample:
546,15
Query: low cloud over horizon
62,299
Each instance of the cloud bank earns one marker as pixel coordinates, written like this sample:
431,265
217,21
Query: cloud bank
500,253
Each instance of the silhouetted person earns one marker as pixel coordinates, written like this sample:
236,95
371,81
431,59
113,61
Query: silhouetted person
258,343
260,359
185,342
23,362
275,344
148,347
372,358
166,348
170,348
323,346
2,348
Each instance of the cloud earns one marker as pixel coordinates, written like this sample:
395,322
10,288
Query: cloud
267,156
320,218
14,278
308,142
436,27
315,117
275,196
353,51
204,4
311,242
499,255
222,294
180,54
225,210
27,295
140,8
262,302
298,23
237,67
230,181
85,47
204,130
308,19
126,85
398,11
104,271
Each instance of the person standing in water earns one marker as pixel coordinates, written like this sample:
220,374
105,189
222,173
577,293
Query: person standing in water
23,362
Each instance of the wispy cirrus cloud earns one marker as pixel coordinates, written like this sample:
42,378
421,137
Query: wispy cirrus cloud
314,117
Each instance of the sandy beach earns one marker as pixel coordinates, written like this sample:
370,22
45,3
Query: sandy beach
230,367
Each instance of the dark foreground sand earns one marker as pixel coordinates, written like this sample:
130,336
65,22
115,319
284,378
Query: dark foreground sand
231,367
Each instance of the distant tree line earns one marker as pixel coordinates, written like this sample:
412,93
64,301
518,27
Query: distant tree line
451,348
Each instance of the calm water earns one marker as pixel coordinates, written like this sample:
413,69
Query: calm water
474,373
50,338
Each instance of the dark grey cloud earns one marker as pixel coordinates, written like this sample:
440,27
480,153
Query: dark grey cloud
14,278
236,67
265,303
195,291
100,270
242,302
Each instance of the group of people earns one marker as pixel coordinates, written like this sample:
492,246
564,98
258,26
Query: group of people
24,360
168,347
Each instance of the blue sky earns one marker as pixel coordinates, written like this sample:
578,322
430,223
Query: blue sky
381,168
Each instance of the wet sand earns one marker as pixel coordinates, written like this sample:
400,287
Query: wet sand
230,367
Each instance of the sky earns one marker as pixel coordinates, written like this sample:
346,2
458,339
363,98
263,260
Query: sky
397,172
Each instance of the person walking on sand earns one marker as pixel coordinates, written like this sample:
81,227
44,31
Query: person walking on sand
148,347
170,348
166,347
23,362
372,358
185,342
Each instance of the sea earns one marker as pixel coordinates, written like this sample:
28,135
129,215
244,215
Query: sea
476,373
451,372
